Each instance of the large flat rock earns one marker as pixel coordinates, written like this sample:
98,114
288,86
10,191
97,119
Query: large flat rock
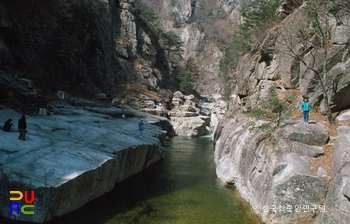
310,134
299,148
71,159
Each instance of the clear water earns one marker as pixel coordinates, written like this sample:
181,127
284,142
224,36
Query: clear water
183,188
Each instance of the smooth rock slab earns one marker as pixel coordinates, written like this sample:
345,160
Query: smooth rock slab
267,177
299,148
69,160
310,134
341,153
338,197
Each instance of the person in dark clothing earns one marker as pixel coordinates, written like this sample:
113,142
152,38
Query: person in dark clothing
22,126
141,124
8,125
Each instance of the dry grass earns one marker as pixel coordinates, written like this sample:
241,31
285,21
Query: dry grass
325,161
130,89
134,88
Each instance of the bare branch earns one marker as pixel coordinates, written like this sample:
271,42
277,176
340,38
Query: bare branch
305,47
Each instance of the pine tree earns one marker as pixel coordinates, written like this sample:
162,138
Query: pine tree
188,76
274,108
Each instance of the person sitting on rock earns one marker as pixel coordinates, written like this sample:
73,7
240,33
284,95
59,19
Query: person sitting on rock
22,126
8,125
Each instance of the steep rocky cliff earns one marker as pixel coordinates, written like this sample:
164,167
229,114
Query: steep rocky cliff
94,46
279,59
111,48
117,50
271,169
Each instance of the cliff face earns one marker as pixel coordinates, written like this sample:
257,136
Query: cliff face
95,46
288,60
275,178
109,48
337,201
271,169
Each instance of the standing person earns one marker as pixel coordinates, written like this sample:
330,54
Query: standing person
141,124
306,107
22,126
8,125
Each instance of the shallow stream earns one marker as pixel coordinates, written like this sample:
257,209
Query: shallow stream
183,188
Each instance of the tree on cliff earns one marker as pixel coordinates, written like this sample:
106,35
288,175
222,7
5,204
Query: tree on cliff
274,108
258,16
172,41
314,39
188,76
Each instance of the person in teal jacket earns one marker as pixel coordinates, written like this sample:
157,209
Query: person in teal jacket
306,107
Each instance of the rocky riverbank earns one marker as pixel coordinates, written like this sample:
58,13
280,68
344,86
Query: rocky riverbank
72,158
273,173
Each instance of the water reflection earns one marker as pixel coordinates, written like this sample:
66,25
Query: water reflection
183,188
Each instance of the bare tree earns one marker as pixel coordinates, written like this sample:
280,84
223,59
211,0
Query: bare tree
310,45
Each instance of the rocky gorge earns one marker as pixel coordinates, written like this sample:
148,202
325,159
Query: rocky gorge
116,52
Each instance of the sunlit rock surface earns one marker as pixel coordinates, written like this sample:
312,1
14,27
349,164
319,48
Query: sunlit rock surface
70,159
275,179
338,197
312,134
192,117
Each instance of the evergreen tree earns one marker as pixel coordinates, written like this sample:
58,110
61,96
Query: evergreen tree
274,108
188,76
172,41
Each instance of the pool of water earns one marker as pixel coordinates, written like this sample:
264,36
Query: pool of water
182,188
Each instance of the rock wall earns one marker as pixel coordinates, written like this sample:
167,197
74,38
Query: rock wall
272,172
338,196
272,61
91,45
100,46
